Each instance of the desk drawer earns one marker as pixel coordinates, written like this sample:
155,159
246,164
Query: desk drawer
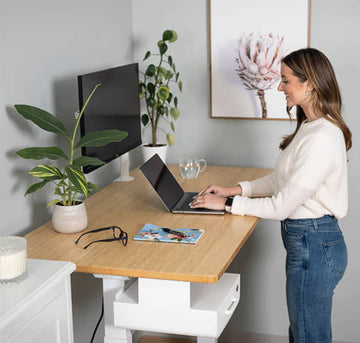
195,309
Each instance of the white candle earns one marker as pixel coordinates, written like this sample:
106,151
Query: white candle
12,257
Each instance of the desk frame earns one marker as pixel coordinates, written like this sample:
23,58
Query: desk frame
114,285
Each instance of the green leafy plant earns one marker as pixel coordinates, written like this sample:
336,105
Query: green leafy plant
161,104
71,181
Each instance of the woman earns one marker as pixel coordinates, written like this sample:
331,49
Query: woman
307,192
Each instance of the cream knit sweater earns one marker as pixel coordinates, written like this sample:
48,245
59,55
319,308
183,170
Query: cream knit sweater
309,180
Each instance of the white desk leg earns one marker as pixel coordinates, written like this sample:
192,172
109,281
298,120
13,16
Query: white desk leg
113,285
206,340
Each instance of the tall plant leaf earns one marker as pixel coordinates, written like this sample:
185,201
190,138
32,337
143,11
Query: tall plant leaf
170,139
175,113
163,93
147,55
53,202
150,71
77,178
39,153
144,119
163,48
100,138
150,102
36,186
151,88
46,172
170,61
174,36
92,186
84,161
167,35
43,119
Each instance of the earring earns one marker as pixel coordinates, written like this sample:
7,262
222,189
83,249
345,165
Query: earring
307,93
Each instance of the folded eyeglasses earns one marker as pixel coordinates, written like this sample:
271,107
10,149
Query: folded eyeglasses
118,235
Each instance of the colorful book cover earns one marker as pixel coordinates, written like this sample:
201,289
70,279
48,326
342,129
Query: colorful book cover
155,233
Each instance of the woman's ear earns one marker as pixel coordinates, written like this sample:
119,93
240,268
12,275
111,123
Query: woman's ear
309,86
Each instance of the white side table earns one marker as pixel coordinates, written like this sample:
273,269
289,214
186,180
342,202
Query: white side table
38,309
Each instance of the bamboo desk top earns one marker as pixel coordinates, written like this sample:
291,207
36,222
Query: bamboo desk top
130,205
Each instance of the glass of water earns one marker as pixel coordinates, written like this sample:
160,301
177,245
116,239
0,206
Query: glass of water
191,167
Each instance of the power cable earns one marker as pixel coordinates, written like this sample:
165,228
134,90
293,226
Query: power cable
98,323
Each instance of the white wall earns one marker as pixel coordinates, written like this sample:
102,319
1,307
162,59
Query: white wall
45,44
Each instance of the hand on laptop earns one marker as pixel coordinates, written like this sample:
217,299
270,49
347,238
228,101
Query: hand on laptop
210,201
221,191
214,197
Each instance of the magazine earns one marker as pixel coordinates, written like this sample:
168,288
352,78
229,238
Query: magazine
156,233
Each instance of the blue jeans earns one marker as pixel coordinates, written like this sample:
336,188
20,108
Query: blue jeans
315,262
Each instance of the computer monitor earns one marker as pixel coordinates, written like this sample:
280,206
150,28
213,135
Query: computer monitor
114,105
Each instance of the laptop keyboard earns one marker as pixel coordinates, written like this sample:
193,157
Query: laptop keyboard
184,206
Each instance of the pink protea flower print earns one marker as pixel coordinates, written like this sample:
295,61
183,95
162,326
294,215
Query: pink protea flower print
259,61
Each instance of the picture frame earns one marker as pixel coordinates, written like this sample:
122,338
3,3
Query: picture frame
247,39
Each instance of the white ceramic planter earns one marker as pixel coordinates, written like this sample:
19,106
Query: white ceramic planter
149,151
69,219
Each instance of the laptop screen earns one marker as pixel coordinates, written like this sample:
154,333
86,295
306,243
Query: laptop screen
162,181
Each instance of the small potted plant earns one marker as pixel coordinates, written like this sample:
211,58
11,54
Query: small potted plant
161,103
69,213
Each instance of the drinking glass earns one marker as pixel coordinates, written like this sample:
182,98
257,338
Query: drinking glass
190,167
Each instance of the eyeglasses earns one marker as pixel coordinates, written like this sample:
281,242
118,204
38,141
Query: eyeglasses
118,235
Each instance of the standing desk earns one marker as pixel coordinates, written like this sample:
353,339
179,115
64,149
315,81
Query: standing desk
153,286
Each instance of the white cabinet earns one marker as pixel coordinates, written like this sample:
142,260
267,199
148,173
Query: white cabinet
38,309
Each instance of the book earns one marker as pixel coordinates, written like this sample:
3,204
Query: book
156,233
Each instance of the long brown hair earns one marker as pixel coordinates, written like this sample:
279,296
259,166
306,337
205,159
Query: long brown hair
312,65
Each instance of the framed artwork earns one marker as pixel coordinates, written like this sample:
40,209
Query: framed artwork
248,39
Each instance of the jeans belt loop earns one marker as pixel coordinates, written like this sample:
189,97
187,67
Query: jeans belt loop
315,224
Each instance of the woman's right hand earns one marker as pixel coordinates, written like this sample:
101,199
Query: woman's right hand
221,191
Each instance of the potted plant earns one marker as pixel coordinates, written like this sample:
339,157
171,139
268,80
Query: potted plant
161,103
69,213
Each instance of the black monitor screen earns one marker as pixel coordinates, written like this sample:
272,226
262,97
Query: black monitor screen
114,105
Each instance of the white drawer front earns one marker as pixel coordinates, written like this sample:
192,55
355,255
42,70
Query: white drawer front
194,309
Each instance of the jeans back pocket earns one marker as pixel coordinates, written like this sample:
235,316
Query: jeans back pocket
336,255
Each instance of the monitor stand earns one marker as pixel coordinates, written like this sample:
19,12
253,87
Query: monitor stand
124,169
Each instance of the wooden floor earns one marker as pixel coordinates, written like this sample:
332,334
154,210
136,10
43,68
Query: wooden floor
154,339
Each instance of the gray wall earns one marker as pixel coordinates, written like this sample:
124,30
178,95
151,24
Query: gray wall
44,45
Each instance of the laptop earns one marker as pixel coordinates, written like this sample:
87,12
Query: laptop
169,190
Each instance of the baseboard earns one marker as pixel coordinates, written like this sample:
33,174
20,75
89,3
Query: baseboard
150,337
233,338
252,338
256,338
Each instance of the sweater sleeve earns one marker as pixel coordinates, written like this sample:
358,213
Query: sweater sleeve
265,186
313,160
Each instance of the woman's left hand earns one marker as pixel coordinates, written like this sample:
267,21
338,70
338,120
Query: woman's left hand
209,201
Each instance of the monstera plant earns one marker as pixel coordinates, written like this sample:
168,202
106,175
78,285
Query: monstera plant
69,181
155,88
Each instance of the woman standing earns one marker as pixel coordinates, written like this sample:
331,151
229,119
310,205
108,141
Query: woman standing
307,192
